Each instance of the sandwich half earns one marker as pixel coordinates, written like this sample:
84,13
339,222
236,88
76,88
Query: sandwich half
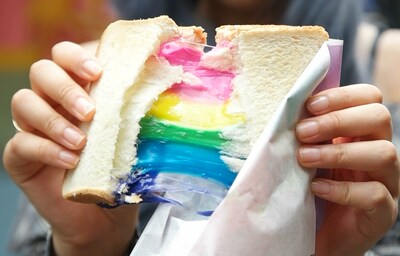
165,109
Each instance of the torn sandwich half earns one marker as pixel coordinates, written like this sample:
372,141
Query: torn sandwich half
164,107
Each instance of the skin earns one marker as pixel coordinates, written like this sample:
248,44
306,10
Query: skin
362,177
363,167
387,61
387,56
38,157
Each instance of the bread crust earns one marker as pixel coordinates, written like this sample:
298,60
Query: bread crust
80,184
91,196
229,32
91,191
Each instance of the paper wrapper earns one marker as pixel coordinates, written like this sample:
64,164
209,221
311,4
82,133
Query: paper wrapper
269,210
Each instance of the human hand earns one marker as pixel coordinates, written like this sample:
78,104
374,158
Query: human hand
37,157
362,167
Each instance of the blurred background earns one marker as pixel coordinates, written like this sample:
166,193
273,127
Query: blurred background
28,30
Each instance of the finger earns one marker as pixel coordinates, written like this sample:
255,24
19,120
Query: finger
343,97
371,121
25,148
371,197
49,79
45,119
378,159
72,57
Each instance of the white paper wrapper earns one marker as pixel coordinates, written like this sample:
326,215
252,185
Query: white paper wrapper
269,210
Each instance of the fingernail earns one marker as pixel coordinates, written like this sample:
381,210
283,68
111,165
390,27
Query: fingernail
69,158
307,129
91,68
318,104
309,154
320,187
84,106
73,136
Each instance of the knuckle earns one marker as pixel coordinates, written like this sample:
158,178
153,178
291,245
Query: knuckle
379,194
388,153
43,151
64,93
341,155
20,97
336,120
14,149
383,114
344,95
375,92
59,47
395,212
37,67
345,193
16,143
380,203
50,122
11,148
7,151
381,198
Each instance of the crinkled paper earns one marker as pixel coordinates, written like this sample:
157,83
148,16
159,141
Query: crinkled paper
269,210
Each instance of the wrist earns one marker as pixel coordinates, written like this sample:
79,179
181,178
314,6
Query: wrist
104,245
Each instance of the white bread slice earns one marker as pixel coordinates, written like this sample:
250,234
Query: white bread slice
124,49
269,60
157,76
263,56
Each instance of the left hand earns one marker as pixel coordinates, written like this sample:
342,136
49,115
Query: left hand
362,165
38,157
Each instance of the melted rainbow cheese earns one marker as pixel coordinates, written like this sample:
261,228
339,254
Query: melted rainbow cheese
181,134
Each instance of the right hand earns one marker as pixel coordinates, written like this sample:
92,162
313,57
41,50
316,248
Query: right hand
37,157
